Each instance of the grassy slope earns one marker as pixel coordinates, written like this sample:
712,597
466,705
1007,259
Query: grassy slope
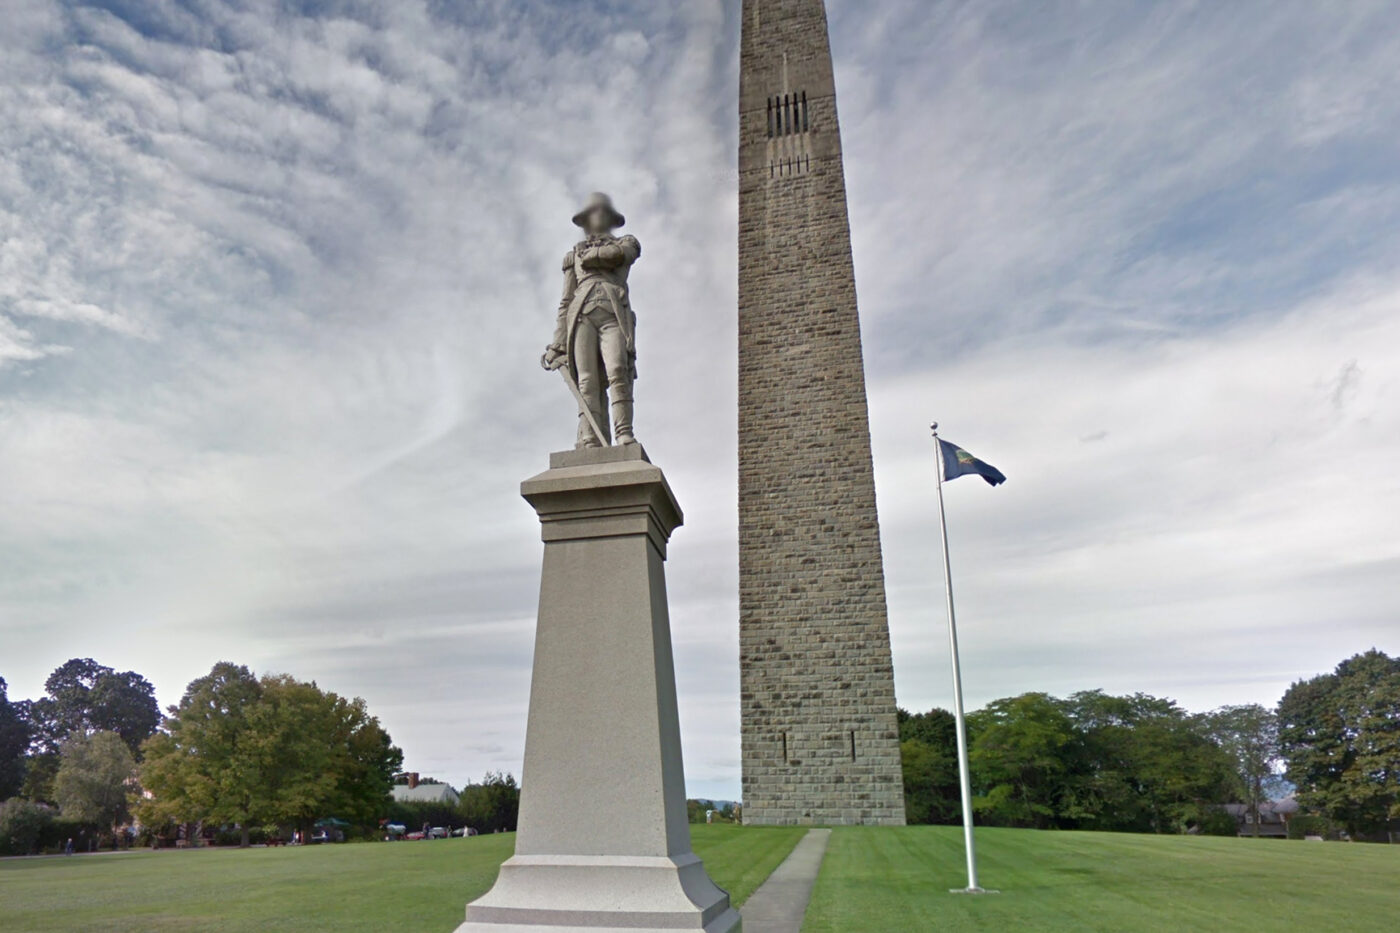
370,887
883,879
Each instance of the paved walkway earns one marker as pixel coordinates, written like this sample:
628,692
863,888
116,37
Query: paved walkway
780,902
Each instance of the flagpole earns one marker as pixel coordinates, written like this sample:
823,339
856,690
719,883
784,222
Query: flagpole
964,772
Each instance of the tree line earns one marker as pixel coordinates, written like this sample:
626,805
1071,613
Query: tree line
489,807
1141,763
262,754
268,753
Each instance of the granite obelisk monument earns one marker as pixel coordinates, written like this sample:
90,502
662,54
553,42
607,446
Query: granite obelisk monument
603,841
819,738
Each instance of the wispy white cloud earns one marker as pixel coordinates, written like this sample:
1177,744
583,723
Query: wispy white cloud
273,281
1217,536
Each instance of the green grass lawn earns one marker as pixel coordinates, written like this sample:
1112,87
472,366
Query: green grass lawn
873,879
364,887
898,879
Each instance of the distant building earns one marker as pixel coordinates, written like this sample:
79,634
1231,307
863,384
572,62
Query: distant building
1273,817
414,792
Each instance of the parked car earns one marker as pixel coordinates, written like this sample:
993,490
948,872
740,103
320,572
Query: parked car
416,835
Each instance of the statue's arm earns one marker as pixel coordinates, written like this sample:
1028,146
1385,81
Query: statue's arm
557,348
622,253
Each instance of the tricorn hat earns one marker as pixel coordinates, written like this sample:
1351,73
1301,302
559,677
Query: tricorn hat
596,200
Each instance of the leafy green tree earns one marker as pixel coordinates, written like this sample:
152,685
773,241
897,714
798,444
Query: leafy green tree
416,814
491,806
1021,760
39,771
274,751
94,777
1182,774
1339,735
194,767
22,825
14,743
1249,735
83,697
695,810
1144,765
929,754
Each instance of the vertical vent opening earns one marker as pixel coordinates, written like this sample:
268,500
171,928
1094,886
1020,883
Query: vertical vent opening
788,114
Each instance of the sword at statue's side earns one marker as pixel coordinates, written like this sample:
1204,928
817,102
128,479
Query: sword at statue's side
562,365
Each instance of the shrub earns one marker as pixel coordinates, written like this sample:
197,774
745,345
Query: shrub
415,815
1216,822
491,806
233,836
59,830
22,826
1303,825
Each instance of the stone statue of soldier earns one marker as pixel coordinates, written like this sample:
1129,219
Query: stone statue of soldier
595,332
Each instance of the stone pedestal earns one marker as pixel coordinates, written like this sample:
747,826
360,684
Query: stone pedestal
603,842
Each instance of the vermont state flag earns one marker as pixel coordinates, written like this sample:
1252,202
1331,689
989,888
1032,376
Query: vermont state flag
958,462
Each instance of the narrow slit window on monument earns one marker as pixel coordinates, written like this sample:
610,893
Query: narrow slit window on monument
770,118
853,745
785,751
787,116
804,111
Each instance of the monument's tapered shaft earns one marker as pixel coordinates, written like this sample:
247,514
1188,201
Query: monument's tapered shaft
820,739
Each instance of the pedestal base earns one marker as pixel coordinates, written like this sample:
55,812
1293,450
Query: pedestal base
603,844
553,894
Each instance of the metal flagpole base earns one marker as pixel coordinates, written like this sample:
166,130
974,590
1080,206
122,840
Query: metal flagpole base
972,891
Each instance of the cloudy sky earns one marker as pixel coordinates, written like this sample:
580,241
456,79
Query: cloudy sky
274,278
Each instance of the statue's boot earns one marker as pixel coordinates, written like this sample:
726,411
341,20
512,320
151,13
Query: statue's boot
586,437
622,415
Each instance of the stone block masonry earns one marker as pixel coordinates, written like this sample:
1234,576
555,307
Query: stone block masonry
819,735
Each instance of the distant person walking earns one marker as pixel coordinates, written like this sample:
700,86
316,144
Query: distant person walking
68,846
